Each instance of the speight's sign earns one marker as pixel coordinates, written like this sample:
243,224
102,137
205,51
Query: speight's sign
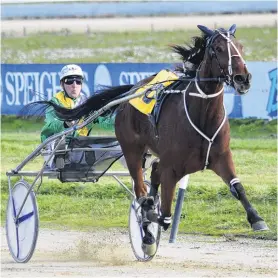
25,83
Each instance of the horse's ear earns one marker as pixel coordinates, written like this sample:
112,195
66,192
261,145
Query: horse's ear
205,30
232,29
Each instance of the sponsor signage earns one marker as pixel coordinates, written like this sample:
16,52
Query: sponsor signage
25,83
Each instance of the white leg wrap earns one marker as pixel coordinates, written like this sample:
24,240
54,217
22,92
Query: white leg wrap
233,189
234,181
167,220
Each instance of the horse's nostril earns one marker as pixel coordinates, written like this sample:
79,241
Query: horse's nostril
239,78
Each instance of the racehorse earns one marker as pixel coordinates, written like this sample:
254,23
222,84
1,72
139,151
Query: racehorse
192,132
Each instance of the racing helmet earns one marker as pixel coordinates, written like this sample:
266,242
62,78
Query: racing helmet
70,70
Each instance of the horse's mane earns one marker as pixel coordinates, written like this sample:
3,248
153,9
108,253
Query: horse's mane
191,54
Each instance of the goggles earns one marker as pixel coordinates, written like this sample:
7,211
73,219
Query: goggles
70,80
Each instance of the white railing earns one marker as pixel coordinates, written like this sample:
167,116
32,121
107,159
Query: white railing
57,1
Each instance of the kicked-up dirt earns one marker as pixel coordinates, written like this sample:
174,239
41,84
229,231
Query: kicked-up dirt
108,253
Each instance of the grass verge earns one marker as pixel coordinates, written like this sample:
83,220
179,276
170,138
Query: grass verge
209,207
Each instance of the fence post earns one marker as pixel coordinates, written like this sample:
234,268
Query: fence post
177,214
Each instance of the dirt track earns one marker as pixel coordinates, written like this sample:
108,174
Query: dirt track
81,25
95,254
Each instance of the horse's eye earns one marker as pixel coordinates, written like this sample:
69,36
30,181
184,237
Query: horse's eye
219,49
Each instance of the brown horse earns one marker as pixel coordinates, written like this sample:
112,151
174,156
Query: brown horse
192,133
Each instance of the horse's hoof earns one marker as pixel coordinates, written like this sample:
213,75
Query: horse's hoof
259,226
149,249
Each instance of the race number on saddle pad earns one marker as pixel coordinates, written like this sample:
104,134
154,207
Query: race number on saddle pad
146,103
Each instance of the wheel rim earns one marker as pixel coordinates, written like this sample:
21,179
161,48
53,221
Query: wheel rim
136,232
22,237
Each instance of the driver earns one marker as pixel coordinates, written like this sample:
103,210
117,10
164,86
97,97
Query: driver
71,79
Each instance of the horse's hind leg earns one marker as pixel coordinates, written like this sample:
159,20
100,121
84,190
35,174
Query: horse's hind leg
133,155
225,169
155,179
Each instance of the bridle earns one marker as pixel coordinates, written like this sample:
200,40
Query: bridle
227,77
229,80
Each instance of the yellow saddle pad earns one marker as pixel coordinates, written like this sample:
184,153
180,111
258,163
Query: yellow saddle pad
145,103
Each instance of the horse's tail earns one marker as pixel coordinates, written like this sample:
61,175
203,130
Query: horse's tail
93,103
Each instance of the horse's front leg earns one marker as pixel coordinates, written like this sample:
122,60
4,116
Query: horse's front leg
224,167
168,185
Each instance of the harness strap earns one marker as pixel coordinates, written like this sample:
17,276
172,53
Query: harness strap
229,43
210,140
201,94
230,70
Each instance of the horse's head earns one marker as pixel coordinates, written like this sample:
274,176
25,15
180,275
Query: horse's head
225,55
